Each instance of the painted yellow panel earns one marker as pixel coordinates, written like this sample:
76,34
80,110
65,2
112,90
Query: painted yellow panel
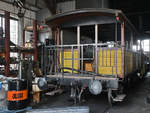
129,62
110,53
68,60
107,61
109,70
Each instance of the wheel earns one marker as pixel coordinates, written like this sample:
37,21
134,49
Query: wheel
110,97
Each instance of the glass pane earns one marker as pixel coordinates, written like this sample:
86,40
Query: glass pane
146,48
146,42
146,45
134,47
14,31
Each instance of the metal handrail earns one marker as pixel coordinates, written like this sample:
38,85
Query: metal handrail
76,45
61,48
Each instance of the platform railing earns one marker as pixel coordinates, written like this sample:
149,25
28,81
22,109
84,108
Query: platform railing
85,52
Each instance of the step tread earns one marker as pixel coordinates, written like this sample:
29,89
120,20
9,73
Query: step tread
119,97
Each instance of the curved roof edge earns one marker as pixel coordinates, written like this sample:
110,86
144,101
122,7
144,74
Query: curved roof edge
89,16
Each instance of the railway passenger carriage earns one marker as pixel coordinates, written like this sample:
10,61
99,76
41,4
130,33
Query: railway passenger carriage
98,54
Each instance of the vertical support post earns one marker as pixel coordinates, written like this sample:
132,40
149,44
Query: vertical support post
20,66
96,42
149,50
35,40
58,50
54,33
61,37
23,44
123,50
20,42
140,54
7,43
62,52
82,58
72,59
116,38
131,41
78,43
131,48
116,49
116,32
58,36
36,55
137,58
143,45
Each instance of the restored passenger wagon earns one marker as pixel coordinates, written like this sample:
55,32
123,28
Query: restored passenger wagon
94,50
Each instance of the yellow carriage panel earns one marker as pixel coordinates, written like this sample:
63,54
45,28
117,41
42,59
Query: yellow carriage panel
108,62
67,60
109,70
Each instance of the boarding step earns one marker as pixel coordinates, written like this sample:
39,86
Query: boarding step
59,91
119,98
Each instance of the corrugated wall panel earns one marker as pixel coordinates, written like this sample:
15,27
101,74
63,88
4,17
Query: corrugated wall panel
66,6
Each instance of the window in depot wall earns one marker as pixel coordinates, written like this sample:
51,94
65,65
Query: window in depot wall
136,47
13,29
2,23
14,35
13,32
145,45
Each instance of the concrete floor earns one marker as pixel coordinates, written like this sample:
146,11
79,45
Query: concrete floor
135,101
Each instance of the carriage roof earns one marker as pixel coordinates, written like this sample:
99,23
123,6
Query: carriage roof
83,17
